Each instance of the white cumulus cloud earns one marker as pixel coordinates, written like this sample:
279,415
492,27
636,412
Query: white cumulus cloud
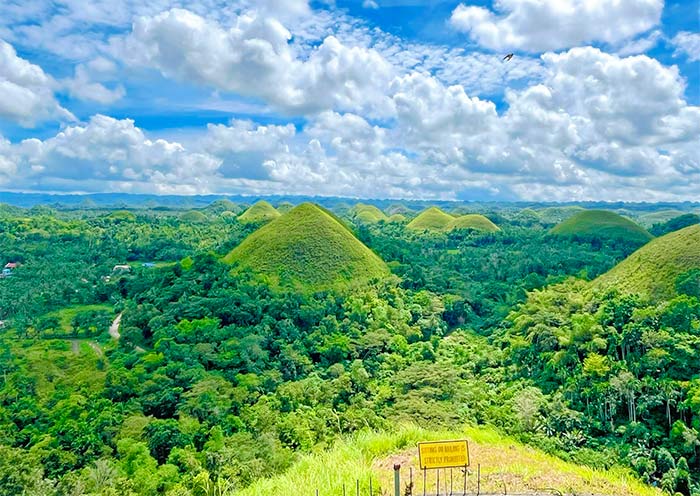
254,58
85,86
687,44
243,147
112,154
625,117
26,92
383,117
540,25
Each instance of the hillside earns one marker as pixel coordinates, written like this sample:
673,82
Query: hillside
432,219
221,206
368,214
555,215
503,460
648,220
675,224
194,216
473,221
262,211
284,207
308,248
224,377
397,218
602,224
122,216
527,217
398,208
652,270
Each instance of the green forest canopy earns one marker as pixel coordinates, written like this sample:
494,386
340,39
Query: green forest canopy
220,378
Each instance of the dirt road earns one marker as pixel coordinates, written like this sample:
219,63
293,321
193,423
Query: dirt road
114,328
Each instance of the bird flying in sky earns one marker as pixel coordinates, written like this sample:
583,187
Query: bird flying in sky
508,57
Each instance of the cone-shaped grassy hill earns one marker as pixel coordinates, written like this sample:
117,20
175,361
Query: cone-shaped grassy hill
652,270
398,208
397,218
368,214
122,216
554,215
221,206
260,212
602,224
194,216
284,207
435,220
527,217
431,219
473,221
528,213
308,249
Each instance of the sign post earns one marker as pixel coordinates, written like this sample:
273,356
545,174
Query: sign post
397,479
436,455
443,454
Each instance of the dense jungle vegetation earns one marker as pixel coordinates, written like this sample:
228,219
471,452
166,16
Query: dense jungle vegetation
218,376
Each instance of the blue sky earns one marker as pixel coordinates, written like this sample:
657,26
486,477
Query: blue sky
366,98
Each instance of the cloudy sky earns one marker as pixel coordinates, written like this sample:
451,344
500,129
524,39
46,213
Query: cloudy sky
363,98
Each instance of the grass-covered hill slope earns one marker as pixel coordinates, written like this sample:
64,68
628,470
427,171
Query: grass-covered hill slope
648,220
367,214
473,221
652,270
284,207
602,224
308,248
194,216
675,224
397,218
122,216
431,219
398,208
262,211
223,205
368,455
435,220
555,215
527,217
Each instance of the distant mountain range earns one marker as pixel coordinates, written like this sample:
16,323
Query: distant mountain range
127,200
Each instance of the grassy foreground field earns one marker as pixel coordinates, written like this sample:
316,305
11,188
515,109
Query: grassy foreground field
504,463
54,366
66,315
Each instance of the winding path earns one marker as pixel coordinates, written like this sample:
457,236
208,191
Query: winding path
114,332
114,328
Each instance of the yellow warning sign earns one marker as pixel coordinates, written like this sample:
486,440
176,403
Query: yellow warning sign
443,454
